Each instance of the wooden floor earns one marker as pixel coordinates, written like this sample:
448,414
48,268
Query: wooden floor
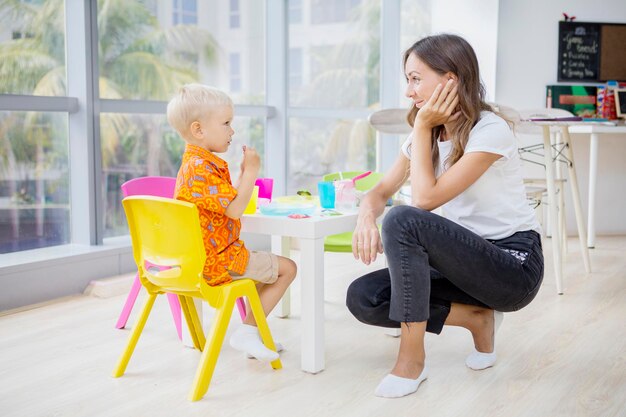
560,356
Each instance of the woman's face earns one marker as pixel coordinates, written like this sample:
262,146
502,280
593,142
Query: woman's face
421,80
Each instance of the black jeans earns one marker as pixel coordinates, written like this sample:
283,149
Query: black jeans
434,262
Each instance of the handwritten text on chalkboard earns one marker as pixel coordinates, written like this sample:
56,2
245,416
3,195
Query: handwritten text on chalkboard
579,50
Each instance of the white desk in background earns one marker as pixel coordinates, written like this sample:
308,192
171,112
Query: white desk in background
552,129
595,130
311,232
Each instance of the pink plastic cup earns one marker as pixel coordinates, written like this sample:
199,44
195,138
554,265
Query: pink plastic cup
265,187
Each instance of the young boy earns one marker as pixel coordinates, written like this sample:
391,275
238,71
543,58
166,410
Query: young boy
203,115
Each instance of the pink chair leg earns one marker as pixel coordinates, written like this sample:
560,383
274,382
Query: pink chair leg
241,306
175,308
130,302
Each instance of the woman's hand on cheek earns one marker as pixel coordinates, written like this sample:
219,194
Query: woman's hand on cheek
439,108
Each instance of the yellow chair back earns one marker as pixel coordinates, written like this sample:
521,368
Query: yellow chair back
166,232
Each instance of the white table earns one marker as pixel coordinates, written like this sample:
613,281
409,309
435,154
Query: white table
595,131
311,232
561,128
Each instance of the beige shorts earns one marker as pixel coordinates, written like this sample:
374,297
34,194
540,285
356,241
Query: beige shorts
262,267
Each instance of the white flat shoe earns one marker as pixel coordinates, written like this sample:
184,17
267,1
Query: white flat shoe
393,386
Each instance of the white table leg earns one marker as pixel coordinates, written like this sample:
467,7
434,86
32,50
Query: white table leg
312,295
557,229
593,175
281,245
578,210
562,229
556,240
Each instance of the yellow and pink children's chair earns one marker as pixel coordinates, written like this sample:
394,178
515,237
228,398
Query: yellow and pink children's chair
170,256
158,187
342,242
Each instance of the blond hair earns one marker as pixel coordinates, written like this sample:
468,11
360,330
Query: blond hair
191,103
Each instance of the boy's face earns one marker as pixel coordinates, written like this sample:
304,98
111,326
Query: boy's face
214,131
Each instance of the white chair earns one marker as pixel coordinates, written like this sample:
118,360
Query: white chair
390,122
555,148
534,154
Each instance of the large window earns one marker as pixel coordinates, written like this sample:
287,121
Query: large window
185,12
295,70
146,50
34,167
234,69
341,67
145,57
414,25
32,48
332,11
333,71
34,180
318,146
138,145
294,11
234,15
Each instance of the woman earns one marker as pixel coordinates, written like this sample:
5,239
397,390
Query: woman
484,255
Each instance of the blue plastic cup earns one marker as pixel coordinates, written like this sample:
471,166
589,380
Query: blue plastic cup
327,194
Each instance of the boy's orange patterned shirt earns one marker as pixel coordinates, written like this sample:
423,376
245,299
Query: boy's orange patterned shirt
204,180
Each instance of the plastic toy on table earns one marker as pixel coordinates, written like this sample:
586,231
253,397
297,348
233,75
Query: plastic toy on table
285,206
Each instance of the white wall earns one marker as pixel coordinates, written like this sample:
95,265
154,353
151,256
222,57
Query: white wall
477,22
527,62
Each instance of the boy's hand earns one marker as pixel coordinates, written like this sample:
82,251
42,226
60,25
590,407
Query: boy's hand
250,166
251,160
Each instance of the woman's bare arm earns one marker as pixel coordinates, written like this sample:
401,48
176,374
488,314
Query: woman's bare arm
366,241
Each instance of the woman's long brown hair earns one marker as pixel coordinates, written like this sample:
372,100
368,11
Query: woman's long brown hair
450,53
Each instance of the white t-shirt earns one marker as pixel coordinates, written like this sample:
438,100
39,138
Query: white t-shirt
495,206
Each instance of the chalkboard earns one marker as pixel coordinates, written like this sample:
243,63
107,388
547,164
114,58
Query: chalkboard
579,51
591,51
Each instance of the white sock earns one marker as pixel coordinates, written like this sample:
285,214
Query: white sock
279,348
246,339
395,386
480,360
